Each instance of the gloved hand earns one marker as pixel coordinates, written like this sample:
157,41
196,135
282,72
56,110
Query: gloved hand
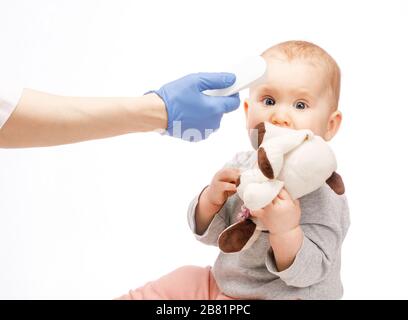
192,115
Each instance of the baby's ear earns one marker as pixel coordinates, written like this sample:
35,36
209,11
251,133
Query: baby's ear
246,106
235,237
335,182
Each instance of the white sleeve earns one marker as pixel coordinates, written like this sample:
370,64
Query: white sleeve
8,102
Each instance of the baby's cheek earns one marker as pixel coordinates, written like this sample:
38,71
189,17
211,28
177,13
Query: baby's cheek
254,119
317,129
310,124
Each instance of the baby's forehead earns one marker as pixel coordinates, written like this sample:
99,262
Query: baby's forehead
295,76
316,60
298,66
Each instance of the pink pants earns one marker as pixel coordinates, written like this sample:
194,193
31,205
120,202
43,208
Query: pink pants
185,283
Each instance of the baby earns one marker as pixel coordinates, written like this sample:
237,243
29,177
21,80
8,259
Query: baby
299,255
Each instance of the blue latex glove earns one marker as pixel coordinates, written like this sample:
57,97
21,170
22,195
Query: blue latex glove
192,115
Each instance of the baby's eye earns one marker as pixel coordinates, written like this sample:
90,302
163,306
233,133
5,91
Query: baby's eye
268,101
301,105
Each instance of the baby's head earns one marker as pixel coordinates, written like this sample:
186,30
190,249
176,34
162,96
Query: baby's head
301,90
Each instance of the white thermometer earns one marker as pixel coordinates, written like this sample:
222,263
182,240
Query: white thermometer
249,72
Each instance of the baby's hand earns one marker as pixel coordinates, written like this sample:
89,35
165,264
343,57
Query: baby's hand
281,215
223,185
214,196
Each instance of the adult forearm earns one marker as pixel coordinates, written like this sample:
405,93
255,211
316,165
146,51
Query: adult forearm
42,119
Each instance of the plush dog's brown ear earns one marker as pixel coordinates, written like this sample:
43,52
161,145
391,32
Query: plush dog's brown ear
264,164
257,135
335,182
234,238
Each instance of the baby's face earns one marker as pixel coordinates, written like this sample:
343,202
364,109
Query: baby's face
296,96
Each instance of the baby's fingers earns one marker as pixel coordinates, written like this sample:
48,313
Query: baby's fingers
229,175
227,187
284,195
230,189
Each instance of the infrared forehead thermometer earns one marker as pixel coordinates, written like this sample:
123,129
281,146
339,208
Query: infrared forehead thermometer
249,72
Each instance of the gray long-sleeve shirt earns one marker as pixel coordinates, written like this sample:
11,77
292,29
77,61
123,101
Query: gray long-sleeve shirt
252,273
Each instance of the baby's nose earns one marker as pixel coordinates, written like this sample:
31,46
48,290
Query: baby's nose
280,122
280,116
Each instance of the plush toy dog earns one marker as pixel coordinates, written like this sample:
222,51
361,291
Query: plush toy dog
295,159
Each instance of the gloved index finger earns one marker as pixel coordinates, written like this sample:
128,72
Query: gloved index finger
215,80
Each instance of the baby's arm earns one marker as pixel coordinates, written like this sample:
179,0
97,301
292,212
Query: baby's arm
282,219
208,213
214,196
322,230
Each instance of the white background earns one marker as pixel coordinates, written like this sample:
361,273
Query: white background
95,219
